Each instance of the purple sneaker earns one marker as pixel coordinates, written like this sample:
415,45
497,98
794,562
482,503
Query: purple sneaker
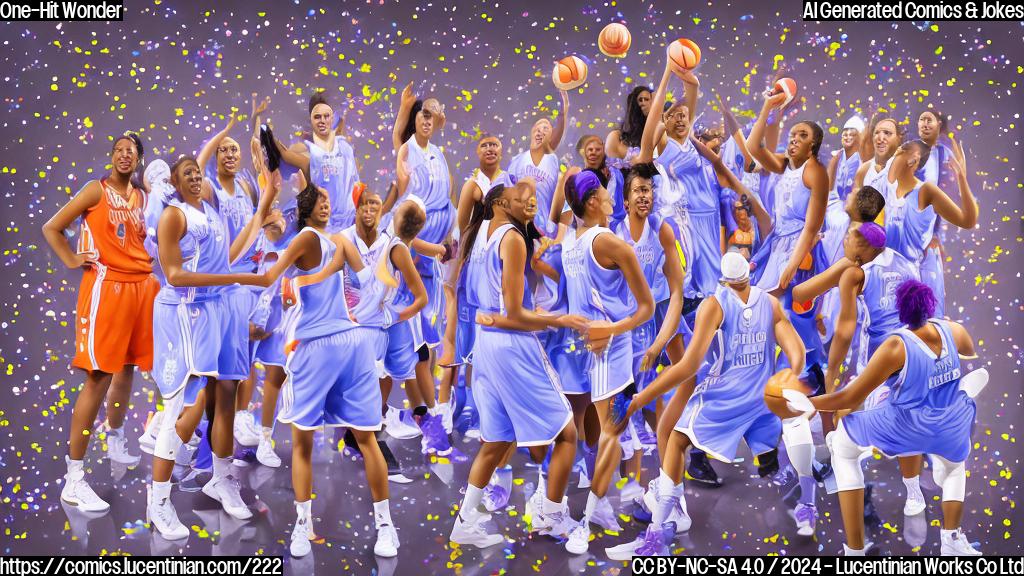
656,540
495,497
436,440
806,516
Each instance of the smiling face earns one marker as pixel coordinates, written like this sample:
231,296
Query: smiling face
677,122
229,156
850,137
488,151
539,133
125,157
886,140
641,197
801,142
188,180
321,119
322,210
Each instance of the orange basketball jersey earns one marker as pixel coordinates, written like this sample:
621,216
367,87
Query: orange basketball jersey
112,235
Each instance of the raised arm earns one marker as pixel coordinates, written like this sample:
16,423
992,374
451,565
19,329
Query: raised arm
556,135
558,201
657,109
402,169
890,357
469,197
965,215
209,149
846,325
730,180
732,127
755,142
867,147
787,338
54,228
297,155
251,231
402,116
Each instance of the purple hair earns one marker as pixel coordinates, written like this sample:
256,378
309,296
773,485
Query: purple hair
873,234
915,303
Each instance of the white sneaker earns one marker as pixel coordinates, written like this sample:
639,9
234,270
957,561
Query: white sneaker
245,429
679,515
558,524
265,453
624,551
398,426
915,503
148,439
77,492
227,492
954,543
579,539
604,516
631,492
301,533
117,450
164,518
387,542
533,508
472,532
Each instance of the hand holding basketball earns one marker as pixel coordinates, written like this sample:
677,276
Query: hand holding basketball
775,393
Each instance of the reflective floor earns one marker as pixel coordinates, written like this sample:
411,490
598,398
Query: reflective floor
745,516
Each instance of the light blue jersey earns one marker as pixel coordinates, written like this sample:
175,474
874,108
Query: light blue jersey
335,171
369,306
846,170
926,412
204,248
881,278
792,198
649,253
908,229
321,309
545,175
728,403
236,210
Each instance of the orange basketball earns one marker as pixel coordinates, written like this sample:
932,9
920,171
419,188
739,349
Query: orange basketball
569,73
780,381
785,86
614,40
684,54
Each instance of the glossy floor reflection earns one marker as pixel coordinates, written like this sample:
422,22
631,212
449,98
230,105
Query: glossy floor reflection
745,516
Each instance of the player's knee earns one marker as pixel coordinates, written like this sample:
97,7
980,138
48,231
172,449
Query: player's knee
951,476
845,461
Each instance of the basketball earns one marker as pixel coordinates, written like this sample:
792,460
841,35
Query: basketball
614,40
782,380
684,54
785,86
569,73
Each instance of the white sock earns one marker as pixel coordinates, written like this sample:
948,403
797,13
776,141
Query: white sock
504,477
304,509
161,491
74,465
592,501
542,481
913,487
471,501
847,551
116,431
669,494
381,514
435,410
221,467
551,507
267,433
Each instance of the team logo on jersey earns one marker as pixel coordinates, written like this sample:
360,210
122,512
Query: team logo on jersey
121,233
748,313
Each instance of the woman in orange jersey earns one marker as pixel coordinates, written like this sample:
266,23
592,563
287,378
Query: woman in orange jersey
114,320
